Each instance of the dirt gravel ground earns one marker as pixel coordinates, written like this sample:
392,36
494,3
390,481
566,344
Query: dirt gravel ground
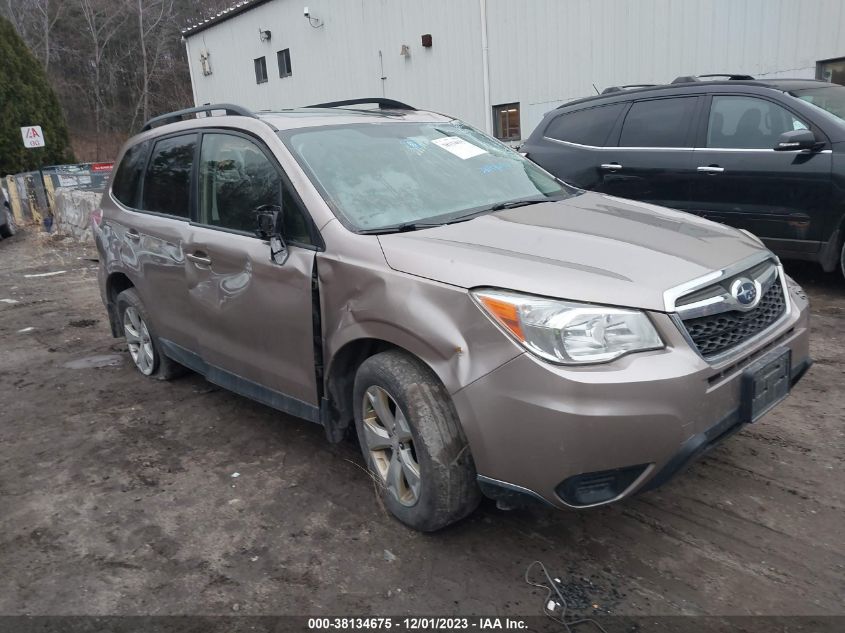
118,494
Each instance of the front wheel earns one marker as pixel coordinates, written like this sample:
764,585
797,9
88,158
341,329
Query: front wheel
413,443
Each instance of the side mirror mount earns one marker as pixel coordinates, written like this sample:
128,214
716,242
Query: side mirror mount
270,220
796,140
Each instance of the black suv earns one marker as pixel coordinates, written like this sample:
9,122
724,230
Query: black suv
765,156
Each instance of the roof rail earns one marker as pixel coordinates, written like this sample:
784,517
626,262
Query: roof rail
683,79
626,87
383,104
179,115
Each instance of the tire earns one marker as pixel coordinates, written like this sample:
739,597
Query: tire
425,439
842,259
7,229
144,347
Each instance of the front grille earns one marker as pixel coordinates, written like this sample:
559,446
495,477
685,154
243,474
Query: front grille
719,333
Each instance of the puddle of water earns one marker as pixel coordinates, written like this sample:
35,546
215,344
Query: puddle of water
93,362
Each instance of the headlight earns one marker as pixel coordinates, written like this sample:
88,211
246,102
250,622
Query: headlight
568,332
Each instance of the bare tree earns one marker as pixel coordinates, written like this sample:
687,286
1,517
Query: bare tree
49,13
34,21
102,20
154,22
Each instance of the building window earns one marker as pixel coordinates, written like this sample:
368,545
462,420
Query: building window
283,57
506,122
832,70
260,70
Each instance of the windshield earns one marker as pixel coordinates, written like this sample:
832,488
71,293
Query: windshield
398,174
829,98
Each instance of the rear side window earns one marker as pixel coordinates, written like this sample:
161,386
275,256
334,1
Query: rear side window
586,127
128,175
167,184
658,123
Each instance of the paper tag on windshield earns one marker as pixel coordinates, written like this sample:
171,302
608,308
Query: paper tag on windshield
459,147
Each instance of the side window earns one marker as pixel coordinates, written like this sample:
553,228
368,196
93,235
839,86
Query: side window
235,179
167,184
260,70
748,123
586,127
658,123
128,175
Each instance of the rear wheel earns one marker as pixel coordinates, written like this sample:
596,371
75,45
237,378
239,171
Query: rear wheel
413,443
144,348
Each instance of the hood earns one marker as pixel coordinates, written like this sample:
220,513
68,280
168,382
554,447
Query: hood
590,247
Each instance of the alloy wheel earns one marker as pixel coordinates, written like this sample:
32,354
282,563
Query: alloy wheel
387,435
139,341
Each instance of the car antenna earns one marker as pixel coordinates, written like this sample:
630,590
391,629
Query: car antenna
596,89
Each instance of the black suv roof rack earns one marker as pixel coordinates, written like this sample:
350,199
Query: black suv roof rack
383,104
626,87
684,79
179,115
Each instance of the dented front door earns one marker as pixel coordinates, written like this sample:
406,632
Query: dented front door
253,316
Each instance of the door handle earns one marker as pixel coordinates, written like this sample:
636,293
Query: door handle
199,259
611,166
711,169
133,235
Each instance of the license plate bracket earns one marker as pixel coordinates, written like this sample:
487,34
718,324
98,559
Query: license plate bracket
765,383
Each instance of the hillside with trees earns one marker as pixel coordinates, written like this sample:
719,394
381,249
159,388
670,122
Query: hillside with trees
112,63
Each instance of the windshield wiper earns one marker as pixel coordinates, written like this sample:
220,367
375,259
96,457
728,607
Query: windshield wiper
415,226
513,204
401,228
499,206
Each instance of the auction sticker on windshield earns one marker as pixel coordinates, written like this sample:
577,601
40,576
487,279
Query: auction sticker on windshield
458,146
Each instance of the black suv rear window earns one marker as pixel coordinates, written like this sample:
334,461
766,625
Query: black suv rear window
128,175
586,127
658,123
167,185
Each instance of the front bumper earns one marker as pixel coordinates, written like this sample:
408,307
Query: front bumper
534,427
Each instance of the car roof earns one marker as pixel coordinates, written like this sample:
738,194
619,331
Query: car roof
319,117
337,113
699,87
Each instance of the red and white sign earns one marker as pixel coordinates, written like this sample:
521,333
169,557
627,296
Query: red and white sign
32,136
96,167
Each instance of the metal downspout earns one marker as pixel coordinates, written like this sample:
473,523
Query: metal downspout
485,63
191,70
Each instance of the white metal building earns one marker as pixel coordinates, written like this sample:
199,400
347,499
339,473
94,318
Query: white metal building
499,64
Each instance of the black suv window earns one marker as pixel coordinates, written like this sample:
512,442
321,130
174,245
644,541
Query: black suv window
586,127
748,123
128,175
167,185
236,178
658,123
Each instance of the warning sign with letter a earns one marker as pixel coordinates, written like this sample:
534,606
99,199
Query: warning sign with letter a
32,136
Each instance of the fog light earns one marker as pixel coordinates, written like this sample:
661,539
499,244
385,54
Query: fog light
592,488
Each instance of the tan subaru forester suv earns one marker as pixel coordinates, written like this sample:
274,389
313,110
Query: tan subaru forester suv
484,327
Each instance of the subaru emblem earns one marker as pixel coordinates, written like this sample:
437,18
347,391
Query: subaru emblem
746,293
